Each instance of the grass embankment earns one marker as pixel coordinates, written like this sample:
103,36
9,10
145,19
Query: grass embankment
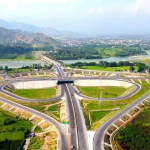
20,58
36,93
107,91
113,69
113,107
18,71
36,143
136,134
13,130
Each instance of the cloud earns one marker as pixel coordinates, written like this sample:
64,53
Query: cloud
96,10
100,10
139,7
13,4
91,10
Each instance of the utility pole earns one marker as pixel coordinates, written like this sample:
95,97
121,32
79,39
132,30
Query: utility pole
101,97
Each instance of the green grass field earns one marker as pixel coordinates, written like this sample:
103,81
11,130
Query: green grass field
36,93
12,136
113,50
53,108
89,105
19,58
96,116
12,130
19,71
108,68
107,92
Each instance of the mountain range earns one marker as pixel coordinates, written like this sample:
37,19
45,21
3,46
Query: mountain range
15,36
33,29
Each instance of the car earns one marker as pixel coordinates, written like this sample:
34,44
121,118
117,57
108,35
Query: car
72,146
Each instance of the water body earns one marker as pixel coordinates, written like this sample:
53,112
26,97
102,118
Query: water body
111,59
14,64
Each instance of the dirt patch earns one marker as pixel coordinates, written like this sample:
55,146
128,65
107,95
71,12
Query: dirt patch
45,125
36,120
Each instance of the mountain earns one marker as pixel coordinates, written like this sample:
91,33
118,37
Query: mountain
15,36
33,29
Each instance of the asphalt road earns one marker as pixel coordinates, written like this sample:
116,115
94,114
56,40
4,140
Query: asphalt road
31,100
72,78
80,121
63,144
77,123
98,143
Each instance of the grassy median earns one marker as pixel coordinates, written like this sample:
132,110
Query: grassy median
113,107
104,91
36,93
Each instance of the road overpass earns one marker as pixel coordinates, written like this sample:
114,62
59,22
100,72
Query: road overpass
77,128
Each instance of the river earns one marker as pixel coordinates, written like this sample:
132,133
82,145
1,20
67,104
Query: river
111,59
14,64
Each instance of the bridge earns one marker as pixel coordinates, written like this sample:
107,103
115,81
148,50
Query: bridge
65,80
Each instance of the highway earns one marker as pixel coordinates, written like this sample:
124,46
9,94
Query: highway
77,127
65,78
63,145
100,133
77,122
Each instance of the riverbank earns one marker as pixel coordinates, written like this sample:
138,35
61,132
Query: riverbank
110,59
16,64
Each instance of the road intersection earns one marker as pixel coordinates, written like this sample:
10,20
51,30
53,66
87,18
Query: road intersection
77,127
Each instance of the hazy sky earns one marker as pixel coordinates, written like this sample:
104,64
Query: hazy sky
91,16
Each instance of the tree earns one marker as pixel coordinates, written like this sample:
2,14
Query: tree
45,67
80,66
31,68
120,63
140,69
6,69
132,68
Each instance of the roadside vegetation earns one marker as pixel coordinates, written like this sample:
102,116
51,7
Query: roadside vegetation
105,92
39,106
36,143
36,93
13,131
136,134
113,107
111,66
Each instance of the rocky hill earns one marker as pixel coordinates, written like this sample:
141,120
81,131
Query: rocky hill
15,36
